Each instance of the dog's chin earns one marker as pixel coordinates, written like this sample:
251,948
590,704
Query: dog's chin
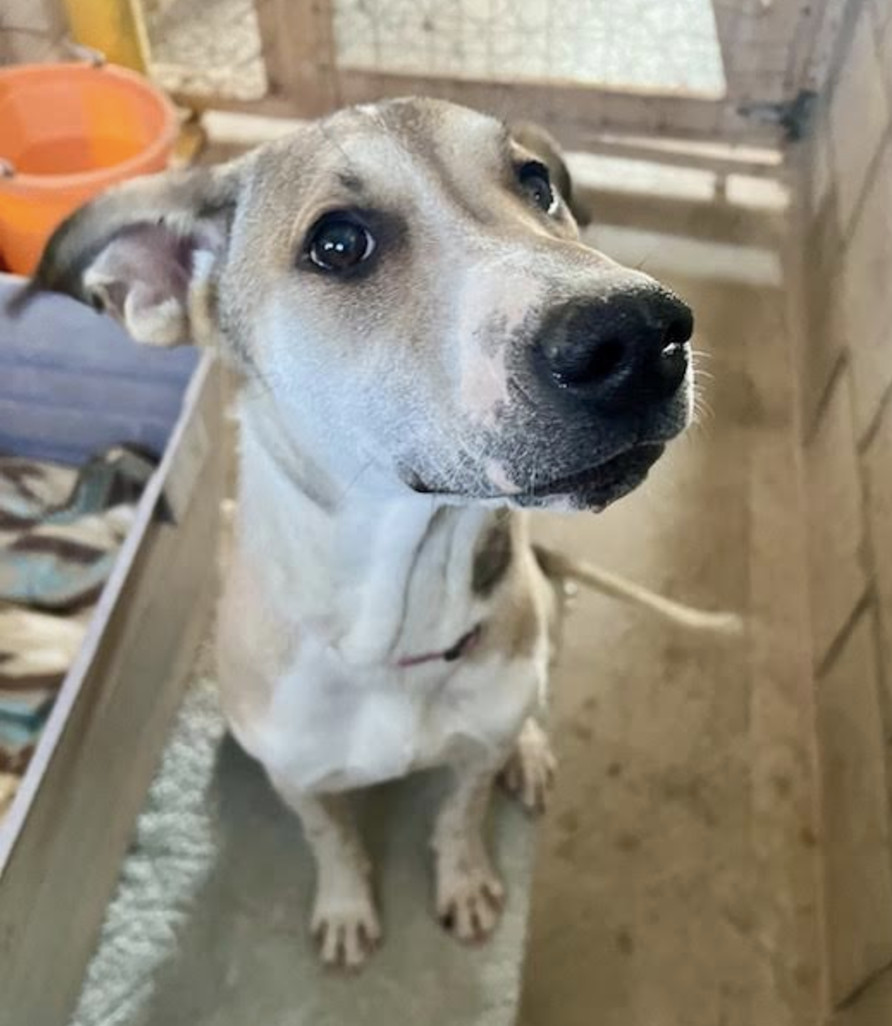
594,488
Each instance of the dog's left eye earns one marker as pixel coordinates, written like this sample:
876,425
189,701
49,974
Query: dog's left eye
536,183
339,242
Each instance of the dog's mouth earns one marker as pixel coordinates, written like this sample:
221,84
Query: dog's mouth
598,486
591,488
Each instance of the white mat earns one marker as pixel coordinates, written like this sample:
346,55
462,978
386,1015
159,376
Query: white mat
208,924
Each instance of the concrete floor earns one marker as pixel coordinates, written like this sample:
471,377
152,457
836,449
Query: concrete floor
676,881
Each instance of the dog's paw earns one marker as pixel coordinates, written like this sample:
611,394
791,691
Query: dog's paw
345,927
469,898
529,773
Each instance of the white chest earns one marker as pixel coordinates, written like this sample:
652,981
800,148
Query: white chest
326,730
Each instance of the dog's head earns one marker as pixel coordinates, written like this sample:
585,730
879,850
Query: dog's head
406,285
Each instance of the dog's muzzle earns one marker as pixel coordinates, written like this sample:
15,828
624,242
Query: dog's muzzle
612,373
598,389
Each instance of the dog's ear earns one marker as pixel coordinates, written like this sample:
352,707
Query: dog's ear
146,251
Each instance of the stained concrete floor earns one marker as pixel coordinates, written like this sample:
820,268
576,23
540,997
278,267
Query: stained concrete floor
676,881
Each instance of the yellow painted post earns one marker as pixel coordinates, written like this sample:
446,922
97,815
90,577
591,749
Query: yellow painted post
114,27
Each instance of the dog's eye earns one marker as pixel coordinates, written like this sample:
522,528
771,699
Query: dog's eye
339,242
535,182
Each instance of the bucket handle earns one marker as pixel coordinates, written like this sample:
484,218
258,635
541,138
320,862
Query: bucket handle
95,58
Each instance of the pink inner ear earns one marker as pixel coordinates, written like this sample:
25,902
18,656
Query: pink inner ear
143,273
154,259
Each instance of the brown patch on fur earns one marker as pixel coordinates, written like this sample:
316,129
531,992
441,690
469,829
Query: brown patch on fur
420,128
513,630
518,619
351,181
493,556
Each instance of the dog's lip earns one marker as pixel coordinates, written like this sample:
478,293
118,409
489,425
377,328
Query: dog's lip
630,464
599,484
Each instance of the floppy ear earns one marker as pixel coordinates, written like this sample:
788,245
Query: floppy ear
146,252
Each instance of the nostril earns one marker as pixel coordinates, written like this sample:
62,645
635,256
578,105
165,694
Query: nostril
672,366
586,365
603,360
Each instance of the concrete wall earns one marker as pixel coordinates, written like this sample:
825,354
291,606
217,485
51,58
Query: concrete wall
846,435
30,30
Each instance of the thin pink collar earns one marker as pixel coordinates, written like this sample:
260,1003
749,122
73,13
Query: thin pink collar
461,648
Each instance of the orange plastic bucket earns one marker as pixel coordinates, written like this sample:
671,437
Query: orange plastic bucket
68,131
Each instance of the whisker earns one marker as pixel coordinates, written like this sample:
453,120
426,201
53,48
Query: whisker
701,413
640,265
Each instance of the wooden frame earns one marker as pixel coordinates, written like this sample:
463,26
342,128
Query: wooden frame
575,114
297,42
62,842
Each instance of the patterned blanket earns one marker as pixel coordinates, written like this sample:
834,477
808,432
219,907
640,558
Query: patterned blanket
60,531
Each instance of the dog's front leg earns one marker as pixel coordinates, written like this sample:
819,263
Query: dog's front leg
345,922
469,893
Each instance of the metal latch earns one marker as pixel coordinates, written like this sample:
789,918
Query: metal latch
793,116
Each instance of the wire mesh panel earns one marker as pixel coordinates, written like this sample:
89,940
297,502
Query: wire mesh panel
208,48
667,46
704,68
733,70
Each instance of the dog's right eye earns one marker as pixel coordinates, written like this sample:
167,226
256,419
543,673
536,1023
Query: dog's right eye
536,183
339,242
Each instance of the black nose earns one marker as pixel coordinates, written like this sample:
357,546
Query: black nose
620,352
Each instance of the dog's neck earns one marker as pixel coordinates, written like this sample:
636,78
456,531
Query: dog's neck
381,579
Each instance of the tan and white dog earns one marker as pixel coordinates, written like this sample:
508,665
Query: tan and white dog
425,348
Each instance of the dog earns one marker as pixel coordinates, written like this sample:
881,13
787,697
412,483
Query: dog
425,351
